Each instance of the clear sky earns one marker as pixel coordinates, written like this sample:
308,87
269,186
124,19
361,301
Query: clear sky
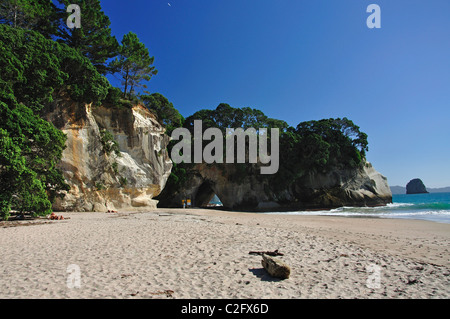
306,60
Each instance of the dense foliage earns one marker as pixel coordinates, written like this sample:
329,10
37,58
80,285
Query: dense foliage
34,69
94,39
225,116
166,112
313,146
30,148
38,15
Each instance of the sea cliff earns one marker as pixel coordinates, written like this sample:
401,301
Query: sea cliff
362,186
99,180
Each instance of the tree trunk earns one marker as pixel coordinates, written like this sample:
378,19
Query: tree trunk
126,85
15,17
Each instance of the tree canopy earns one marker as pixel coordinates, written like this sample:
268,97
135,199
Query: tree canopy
165,111
313,146
225,116
30,148
38,15
34,69
134,64
94,39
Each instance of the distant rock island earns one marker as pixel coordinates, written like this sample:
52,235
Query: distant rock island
397,190
416,186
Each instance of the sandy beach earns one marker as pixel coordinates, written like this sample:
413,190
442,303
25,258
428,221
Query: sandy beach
194,253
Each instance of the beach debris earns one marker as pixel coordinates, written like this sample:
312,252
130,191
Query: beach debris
53,216
168,293
275,267
410,280
269,253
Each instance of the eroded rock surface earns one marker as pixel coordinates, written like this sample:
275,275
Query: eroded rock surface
100,181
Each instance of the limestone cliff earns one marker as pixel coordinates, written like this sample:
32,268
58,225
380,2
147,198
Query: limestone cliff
363,186
100,181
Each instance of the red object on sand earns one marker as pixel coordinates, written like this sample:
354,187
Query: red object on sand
53,216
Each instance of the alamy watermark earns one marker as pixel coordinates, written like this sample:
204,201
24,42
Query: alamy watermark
74,276
374,20
374,279
74,20
213,152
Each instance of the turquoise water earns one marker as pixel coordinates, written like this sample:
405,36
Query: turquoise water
433,207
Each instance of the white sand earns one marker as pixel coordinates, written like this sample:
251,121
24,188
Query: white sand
204,254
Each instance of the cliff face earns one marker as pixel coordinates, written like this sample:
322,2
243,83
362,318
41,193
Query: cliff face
351,187
101,181
131,179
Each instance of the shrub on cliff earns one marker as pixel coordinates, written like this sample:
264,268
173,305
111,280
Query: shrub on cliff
164,110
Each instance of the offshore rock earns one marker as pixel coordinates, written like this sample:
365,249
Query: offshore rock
100,181
416,186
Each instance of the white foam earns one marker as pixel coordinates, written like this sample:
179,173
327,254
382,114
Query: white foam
433,215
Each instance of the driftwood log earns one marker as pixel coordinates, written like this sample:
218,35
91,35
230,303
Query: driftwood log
275,267
268,253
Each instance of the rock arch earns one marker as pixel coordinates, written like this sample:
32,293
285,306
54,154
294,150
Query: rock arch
248,191
204,194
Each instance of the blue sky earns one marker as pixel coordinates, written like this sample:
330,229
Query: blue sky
307,60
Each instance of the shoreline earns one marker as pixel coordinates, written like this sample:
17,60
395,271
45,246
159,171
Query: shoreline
204,253
403,229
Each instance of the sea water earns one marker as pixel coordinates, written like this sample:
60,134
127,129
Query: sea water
432,207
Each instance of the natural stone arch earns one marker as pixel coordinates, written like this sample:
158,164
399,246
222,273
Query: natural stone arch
204,194
249,191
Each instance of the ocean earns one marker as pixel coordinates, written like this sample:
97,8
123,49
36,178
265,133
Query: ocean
432,207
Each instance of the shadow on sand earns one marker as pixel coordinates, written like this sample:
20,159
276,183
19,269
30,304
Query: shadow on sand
262,274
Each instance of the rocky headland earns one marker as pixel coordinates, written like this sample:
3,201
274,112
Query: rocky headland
116,159
362,186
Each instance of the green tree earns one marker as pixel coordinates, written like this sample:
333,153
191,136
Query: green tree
38,15
225,116
34,69
30,148
165,111
134,64
332,142
93,39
